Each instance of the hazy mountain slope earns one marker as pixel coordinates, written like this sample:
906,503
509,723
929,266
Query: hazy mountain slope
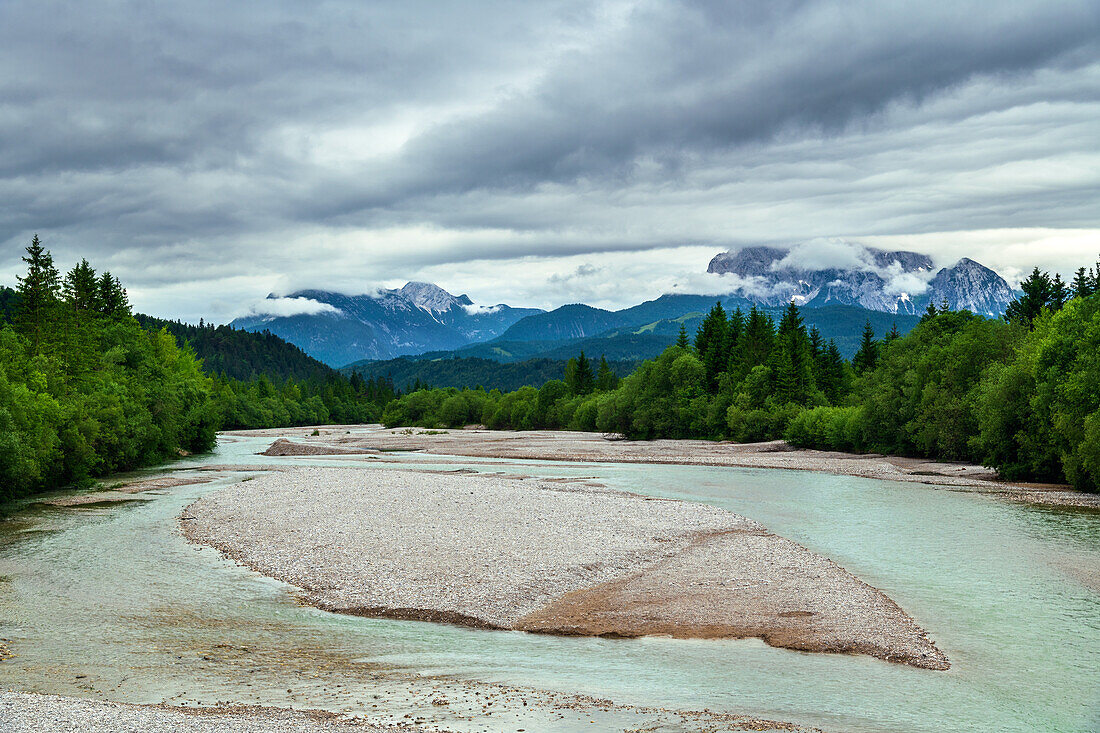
413,319
567,322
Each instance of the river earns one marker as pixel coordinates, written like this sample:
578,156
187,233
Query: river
109,601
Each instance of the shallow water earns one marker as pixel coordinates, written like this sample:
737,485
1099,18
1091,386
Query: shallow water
109,601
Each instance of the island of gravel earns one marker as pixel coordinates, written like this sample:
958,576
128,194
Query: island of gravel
538,555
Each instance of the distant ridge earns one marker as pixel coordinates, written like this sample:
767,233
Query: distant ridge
338,329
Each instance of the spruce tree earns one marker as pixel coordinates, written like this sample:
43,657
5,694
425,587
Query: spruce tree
112,301
81,288
1038,293
1082,285
712,343
867,356
578,375
831,381
893,335
930,312
758,342
736,329
1059,293
38,294
606,380
794,368
817,344
682,340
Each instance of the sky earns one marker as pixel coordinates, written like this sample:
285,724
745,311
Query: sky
210,153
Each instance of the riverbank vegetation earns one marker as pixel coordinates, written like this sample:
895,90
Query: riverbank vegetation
1020,394
86,390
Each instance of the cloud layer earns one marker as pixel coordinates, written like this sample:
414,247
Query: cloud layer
208,153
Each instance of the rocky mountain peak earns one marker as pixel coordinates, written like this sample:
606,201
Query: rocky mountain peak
970,285
883,280
431,297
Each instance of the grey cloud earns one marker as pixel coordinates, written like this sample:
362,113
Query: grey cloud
189,140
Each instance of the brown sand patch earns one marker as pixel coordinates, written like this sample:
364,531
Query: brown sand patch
745,584
284,447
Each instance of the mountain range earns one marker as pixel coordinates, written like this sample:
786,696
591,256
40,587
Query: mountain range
422,319
894,282
413,319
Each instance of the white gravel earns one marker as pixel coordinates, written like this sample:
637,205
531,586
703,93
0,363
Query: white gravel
487,548
541,555
27,713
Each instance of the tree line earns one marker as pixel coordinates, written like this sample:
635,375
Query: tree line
86,390
1020,394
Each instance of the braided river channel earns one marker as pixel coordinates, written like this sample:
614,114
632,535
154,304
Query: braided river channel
108,601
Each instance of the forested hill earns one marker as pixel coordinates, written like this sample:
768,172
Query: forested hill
471,372
240,354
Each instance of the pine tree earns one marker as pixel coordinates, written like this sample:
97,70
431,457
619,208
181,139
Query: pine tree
112,301
606,380
712,343
80,288
867,356
1038,292
1059,293
38,294
682,340
1082,285
736,329
817,344
930,312
578,375
757,343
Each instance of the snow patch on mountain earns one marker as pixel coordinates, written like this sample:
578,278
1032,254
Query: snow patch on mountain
835,271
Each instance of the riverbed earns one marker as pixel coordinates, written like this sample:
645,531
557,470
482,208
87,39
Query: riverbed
107,600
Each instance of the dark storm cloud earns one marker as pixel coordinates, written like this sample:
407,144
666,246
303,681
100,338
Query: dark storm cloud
161,137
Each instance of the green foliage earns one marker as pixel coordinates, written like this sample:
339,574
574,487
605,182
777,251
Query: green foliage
1039,413
920,399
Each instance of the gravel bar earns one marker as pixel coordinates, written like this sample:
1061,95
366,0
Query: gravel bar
537,555
558,445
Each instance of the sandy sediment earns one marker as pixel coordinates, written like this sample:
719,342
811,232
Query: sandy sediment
533,555
284,447
29,713
596,447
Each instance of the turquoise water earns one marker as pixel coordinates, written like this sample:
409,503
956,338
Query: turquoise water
109,601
